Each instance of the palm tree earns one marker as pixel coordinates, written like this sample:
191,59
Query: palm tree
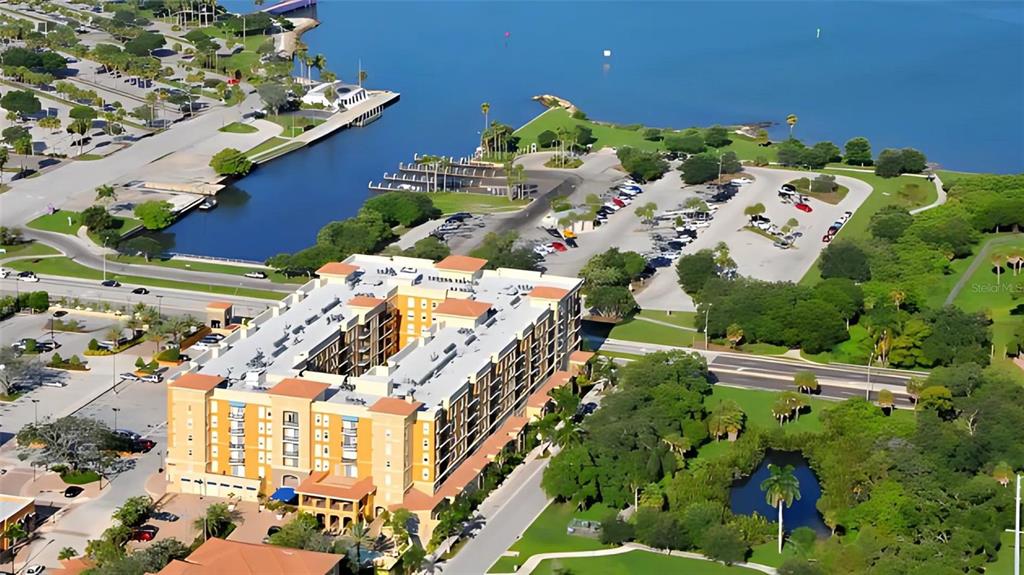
362,76
319,62
781,410
677,444
998,260
781,487
914,387
106,193
13,533
805,381
359,534
734,333
795,403
791,120
726,419
898,296
886,400
1002,473
485,109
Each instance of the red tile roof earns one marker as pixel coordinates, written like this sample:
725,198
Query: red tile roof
364,301
539,397
336,269
462,307
303,388
325,485
197,381
461,264
218,305
219,556
395,406
547,292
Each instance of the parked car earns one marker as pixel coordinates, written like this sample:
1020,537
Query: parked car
559,247
164,516
804,207
140,291
53,383
27,277
144,533
741,181
540,251
152,378
144,446
553,233
782,244
619,202
73,491
110,283
35,569
571,242
256,275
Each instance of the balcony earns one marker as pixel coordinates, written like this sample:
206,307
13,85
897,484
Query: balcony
236,459
237,430
291,434
364,334
236,446
350,431
237,415
291,423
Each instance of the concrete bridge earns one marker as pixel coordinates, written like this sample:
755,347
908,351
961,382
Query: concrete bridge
286,6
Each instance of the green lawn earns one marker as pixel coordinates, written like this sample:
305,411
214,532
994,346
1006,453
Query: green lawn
647,332
63,266
802,185
27,249
680,318
614,135
854,350
239,128
636,562
292,126
907,191
547,535
213,267
1003,565
264,146
58,222
452,202
994,295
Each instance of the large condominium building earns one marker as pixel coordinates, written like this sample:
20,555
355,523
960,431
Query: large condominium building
387,382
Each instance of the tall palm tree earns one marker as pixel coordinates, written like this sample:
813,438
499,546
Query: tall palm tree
898,296
106,193
781,410
998,261
485,109
359,534
805,381
795,402
319,62
791,120
13,533
726,419
1002,473
734,333
781,487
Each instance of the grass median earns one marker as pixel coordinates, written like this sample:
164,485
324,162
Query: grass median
27,249
68,268
452,202
211,267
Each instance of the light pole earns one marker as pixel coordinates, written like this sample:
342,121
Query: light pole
867,391
35,412
159,304
115,409
707,314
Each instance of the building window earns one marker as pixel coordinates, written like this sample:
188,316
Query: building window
426,459
411,302
426,475
387,464
316,434
291,418
325,435
291,462
423,304
318,420
387,433
213,407
426,428
351,471
190,438
327,450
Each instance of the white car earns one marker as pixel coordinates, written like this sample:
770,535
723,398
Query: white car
612,206
28,277
539,250
741,181
4,273
702,223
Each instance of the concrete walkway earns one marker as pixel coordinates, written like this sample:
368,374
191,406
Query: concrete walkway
664,323
939,200
535,560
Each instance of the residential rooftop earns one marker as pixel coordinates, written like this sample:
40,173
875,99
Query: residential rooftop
275,345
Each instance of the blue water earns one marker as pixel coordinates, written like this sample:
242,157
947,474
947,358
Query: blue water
746,497
947,78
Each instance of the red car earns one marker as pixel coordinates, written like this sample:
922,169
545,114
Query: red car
827,238
558,247
144,533
618,202
804,207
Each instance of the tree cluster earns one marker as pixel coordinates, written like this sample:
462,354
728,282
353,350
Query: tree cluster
641,164
606,280
502,250
403,208
891,162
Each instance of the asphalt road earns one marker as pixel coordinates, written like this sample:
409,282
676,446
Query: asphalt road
74,248
168,300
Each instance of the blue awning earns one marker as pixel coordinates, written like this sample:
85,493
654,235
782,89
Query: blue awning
284,494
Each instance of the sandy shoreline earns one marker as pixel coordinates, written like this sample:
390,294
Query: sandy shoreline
286,43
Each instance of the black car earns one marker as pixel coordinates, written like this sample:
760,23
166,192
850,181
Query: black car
571,243
553,233
164,516
140,291
73,491
110,283
659,262
60,313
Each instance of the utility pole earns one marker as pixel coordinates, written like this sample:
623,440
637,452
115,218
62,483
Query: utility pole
115,409
867,391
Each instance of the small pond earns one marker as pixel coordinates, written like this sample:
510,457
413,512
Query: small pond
746,496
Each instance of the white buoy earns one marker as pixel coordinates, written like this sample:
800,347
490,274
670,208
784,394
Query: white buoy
607,53
819,33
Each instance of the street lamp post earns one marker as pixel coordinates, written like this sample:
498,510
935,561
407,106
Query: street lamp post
867,391
35,411
159,304
115,409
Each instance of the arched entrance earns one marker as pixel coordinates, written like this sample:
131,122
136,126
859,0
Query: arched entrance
289,481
